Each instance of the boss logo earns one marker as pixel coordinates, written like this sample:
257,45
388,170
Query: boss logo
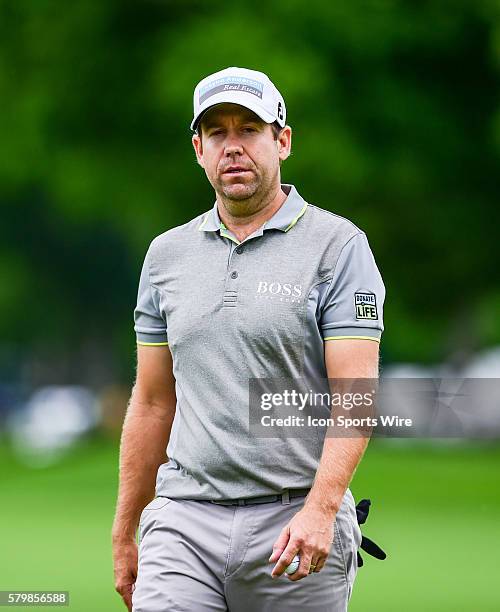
282,291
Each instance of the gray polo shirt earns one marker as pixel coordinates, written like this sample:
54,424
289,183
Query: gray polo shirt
232,311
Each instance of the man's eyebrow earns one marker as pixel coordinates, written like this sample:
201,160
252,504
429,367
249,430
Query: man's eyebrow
214,122
208,125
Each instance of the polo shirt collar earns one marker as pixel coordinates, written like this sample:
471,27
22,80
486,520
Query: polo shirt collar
283,219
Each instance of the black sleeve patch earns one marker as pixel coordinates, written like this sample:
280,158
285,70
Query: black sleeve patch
366,306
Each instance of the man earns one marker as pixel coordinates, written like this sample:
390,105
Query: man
263,285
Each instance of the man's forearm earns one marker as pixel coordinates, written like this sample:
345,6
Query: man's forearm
351,365
338,463
142,450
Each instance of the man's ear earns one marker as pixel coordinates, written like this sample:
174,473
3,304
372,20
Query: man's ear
284,142
198,148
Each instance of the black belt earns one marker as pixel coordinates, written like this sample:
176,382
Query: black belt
264,499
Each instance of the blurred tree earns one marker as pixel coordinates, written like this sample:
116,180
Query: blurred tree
396,123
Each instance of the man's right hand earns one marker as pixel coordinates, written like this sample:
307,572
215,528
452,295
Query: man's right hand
125,556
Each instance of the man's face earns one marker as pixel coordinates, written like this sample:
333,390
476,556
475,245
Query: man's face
239,152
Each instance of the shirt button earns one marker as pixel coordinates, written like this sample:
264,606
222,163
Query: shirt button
234,274
240,250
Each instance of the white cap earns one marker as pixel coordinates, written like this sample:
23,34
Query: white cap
248,88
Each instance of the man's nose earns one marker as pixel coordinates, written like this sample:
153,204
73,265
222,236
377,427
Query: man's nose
232,146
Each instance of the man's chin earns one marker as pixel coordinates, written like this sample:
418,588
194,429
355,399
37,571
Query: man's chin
239,191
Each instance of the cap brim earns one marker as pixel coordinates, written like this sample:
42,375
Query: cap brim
225,99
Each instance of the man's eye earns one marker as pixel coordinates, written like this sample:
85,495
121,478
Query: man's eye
249,129
215,132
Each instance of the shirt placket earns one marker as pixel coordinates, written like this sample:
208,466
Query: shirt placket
234,266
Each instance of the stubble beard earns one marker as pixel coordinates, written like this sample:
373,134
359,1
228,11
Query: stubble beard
245,198
238,192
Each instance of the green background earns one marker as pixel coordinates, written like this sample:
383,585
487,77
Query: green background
395,114
435,511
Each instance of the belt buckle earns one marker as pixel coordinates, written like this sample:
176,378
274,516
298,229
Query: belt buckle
264,499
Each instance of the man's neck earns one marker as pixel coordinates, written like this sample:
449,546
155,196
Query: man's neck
243,226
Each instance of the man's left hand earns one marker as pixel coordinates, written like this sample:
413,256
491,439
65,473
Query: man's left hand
310,535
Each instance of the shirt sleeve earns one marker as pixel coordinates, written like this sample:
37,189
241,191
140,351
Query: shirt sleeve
150,327
353,305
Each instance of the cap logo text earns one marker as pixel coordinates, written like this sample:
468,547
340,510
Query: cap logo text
233,83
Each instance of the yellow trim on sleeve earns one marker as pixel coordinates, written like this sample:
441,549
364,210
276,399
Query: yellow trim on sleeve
303,210
152,343
353,338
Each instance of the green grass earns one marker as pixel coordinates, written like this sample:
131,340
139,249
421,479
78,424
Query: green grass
436,512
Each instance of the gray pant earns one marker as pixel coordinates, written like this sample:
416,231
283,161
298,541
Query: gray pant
196,556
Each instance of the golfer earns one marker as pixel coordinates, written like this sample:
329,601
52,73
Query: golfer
262,286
